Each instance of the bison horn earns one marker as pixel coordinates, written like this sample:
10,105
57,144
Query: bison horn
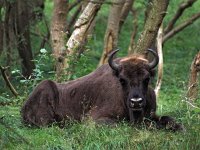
155,61
111,63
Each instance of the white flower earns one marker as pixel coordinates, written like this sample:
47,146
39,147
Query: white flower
43,51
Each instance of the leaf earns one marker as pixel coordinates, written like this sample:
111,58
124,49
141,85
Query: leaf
4,99
23,81
197,110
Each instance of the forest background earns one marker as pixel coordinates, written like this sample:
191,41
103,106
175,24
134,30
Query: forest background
178,53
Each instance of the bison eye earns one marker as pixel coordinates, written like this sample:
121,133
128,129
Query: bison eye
123,81
146,80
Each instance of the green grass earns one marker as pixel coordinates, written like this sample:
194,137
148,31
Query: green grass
87,135
178,55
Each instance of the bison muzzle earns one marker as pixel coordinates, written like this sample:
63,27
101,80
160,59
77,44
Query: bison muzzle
116,91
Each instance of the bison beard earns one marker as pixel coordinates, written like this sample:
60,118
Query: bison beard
116,91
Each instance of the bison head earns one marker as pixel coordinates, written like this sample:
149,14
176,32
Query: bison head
134,74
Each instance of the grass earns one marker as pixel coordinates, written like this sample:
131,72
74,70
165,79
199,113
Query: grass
87,135
178,55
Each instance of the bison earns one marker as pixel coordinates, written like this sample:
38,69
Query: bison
114,92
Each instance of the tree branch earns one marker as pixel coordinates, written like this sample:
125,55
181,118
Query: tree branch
8,83
160,64
72,5
134,32
72,20
125,11
81,26
42,36
182,7
181,27
105,2
47,36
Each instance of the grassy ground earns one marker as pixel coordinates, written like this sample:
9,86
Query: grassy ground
14,135
178,54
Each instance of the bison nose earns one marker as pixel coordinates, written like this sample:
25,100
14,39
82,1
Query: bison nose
136,102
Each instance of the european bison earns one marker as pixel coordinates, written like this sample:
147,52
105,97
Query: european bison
116,91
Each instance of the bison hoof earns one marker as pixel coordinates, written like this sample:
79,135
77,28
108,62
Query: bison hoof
170,124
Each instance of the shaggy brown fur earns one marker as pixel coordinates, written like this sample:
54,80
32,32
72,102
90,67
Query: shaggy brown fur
102,95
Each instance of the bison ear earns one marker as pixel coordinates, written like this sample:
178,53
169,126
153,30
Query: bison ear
115,67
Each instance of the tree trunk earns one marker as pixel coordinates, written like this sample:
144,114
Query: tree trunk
193,79
111,35
1,31
23,38
9,32
73,20
147,11
156,15
1,37
58,35
81,29
89,32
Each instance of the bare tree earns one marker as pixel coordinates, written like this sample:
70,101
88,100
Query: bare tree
9,32
81,29
193,78
58,35
17,16
111,35
171,30
23,38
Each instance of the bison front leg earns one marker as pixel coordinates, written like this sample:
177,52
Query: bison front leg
169,123
166,122
101,119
